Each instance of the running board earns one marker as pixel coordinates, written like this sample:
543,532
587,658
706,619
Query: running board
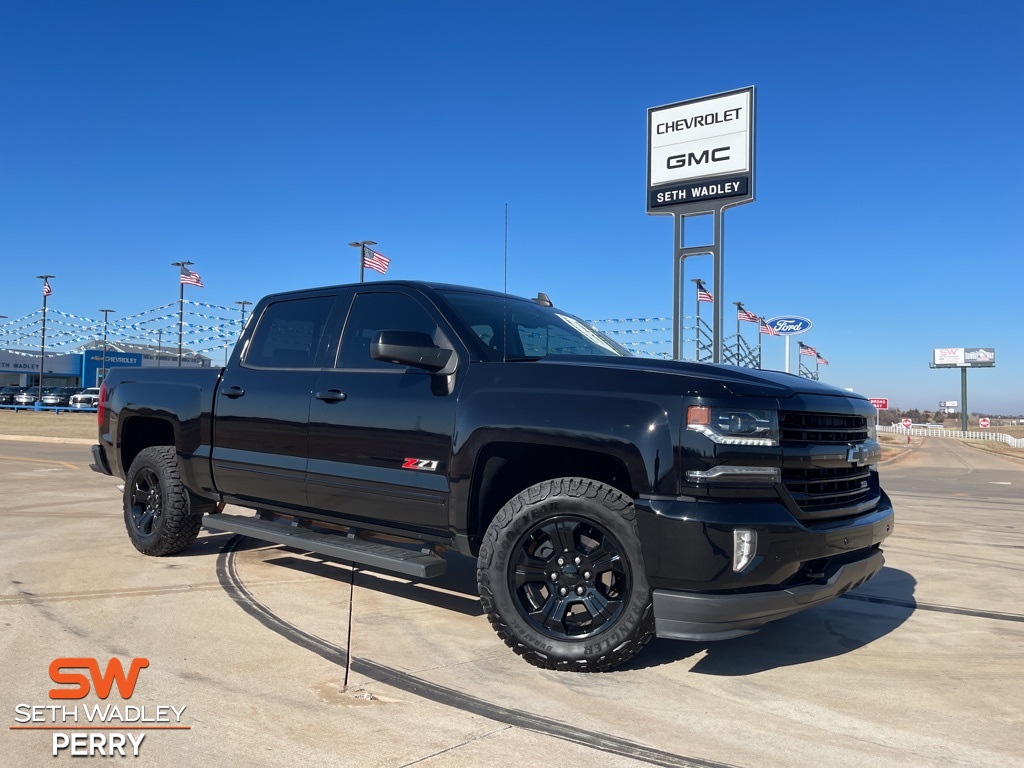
419,563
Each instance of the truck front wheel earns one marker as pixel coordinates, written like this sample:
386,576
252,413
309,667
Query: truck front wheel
561,576
161,516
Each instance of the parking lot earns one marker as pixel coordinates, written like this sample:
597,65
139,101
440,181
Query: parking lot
266,655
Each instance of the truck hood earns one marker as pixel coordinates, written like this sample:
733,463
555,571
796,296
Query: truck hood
741,382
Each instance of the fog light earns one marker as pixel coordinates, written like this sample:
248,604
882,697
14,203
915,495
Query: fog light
744,545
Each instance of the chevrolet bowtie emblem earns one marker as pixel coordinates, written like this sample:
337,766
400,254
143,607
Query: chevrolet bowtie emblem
863,453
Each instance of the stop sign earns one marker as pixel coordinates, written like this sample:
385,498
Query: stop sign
907,423
984,423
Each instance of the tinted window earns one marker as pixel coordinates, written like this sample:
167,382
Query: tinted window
374,312
289,333
533,330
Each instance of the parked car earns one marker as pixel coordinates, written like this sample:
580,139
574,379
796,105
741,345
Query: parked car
27,396
59,396
7,394
87,398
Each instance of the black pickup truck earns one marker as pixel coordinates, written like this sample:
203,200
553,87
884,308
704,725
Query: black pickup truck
607,498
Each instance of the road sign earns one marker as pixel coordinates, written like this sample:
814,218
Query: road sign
881,403
907,423
984,423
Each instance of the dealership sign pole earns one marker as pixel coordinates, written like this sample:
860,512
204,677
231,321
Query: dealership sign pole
700,160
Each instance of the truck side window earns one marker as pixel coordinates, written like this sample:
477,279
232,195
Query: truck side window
288,334
373,312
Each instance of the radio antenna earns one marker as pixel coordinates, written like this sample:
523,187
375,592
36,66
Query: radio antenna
504,308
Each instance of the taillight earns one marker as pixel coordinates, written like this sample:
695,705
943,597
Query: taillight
101,404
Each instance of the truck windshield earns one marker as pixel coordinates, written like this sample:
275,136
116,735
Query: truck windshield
533,331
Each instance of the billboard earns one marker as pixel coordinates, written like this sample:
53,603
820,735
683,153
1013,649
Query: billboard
964,357
700,150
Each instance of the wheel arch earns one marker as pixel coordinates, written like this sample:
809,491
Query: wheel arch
504,469
141,432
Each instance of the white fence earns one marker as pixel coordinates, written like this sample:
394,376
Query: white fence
997,437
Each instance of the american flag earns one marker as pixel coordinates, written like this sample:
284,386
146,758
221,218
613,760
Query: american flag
47,290
376,261
190,278
766,329
747,315
703,294
822,360
809,351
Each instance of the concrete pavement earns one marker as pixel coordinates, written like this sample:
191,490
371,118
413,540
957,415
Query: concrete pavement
281,657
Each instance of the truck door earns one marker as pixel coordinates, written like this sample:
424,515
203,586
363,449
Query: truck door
261,421
380,437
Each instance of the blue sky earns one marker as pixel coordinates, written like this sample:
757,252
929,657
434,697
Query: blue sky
257,139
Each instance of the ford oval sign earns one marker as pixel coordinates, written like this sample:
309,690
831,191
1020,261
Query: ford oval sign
789,325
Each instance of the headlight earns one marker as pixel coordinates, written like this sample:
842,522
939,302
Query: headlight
734,426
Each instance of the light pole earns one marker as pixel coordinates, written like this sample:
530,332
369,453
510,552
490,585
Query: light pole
243,304
103,372
42,345
362,254
183,265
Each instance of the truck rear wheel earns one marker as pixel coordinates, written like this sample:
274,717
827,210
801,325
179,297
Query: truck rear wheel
561,576
161,515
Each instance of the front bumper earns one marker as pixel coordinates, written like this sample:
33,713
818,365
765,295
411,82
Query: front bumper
688,556
695,616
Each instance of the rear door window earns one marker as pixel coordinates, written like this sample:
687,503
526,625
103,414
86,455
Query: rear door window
289,333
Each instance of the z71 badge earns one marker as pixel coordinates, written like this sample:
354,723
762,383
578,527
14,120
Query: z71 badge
427,465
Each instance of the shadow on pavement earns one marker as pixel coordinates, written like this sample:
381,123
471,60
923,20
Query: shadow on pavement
843,625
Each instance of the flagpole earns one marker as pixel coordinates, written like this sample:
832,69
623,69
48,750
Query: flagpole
42,346
696,325
181,303
362,254
739,307
760,324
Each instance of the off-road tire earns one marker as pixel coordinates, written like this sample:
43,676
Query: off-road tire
561,576
160,514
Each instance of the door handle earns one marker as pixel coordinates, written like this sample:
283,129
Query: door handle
232,392
331,396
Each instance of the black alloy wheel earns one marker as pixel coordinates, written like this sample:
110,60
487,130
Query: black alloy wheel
561,576
570,579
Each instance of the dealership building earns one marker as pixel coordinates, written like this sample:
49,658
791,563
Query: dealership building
84,367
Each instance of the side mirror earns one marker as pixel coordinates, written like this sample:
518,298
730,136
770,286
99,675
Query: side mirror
410,348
